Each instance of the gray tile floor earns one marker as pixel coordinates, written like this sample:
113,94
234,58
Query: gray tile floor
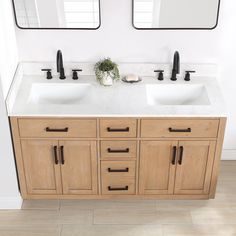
128,218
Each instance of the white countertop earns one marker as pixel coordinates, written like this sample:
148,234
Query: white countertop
120,100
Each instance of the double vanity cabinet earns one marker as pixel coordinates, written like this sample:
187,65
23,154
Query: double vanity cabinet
103,158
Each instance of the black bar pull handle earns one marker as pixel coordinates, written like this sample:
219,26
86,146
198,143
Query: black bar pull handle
174,155
109,129
188,130
62,155
181,153
109,150
55,155
126,188
118,171
65,130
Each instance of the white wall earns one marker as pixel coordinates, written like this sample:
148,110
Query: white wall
227,60
9,194
8,47
118,39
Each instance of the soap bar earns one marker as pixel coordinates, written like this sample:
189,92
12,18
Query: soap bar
131,78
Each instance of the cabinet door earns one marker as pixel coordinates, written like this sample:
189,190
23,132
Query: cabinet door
42,168
194,167
157,167
78,167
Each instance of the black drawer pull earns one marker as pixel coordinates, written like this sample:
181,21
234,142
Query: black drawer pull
126,188
109,129
55,155
174,155
62,155
181,155
57,130
118,151
188,130
118,171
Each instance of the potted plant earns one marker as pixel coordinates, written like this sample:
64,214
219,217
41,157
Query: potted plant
106,71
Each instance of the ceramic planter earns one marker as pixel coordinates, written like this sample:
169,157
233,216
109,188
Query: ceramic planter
107,80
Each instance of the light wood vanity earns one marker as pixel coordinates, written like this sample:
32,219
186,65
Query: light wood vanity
102,158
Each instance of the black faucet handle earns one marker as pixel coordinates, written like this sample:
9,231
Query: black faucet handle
160,75
77,70
49,73
188,74
75,73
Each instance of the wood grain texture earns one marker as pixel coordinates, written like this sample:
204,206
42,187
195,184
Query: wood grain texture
206,130
160,128
193,176
77,128
121,182
119,146
157,172
43,176
18,156
79,172
130,123
118,165
218,153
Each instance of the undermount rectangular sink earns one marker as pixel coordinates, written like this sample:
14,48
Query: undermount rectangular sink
176,94
58,94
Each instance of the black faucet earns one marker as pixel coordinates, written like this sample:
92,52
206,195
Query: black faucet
60,67
176,66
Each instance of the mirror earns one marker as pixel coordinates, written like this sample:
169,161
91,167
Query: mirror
175,14
57,14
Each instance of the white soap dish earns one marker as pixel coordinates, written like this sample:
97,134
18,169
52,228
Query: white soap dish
131,82
131,78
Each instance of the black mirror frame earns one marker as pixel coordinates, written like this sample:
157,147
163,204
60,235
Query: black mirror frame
217,21
23,28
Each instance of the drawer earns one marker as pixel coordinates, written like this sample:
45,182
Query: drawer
118,128
118,149
118,177
118,186
179,128
57,128
118,169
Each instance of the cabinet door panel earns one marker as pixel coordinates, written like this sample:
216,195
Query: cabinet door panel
41,171
156,168
194,173
79,171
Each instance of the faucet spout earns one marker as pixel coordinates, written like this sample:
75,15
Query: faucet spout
60,67
176,66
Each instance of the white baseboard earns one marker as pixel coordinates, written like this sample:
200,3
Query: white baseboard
10,203
229,155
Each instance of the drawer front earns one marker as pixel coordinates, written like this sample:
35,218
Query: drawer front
118,149
57,128
118,186
179,128
118,177
118,169
122,128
